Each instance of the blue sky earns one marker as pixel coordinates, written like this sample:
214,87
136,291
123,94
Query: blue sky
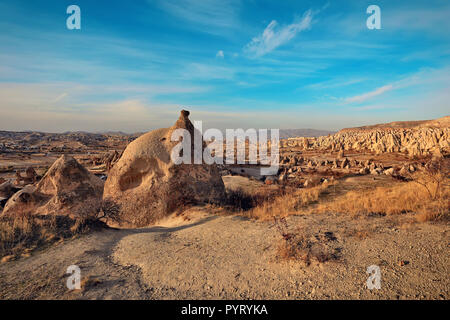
232,63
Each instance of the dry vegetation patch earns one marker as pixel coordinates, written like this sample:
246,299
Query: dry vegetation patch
265,204
23,232
303,245
20,235
427,195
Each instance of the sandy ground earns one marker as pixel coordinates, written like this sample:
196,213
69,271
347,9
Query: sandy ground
210,256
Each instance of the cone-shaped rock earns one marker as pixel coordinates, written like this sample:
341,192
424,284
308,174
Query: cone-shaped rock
147,185
67,188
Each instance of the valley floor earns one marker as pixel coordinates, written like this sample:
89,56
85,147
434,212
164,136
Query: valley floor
202,255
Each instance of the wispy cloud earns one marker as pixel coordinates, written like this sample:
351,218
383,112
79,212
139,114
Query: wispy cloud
211,13
60,97
369,95
335,83
424,77
271,38
220,54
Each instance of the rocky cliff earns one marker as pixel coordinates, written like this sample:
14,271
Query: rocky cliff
413,138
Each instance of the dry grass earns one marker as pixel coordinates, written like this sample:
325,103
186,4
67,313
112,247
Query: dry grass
381,200
427,194
292,201
435,179
22,233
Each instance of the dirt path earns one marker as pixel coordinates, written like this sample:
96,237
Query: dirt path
217,257
43,275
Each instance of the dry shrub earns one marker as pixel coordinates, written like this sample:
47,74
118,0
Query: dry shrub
435,179
89,282
361,233
427,195
239,200
301,245
96,211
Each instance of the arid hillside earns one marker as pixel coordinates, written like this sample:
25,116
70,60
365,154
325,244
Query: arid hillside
437,123
411,138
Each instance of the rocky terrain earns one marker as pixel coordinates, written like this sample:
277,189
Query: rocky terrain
413,139
21,152
375,195
75,142
392,149
293,133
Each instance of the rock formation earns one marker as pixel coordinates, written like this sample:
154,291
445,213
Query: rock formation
7,189
110,159
31,175
147,185
421,138
66,189
29,178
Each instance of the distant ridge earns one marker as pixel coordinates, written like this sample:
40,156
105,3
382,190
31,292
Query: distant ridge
308,133
439,123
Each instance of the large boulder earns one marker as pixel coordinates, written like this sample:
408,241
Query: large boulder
7,189
66,189
146,185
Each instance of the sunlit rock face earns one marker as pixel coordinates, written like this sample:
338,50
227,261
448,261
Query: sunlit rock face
146,185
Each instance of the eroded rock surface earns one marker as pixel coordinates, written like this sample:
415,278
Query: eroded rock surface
423,138
67,188
147,185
